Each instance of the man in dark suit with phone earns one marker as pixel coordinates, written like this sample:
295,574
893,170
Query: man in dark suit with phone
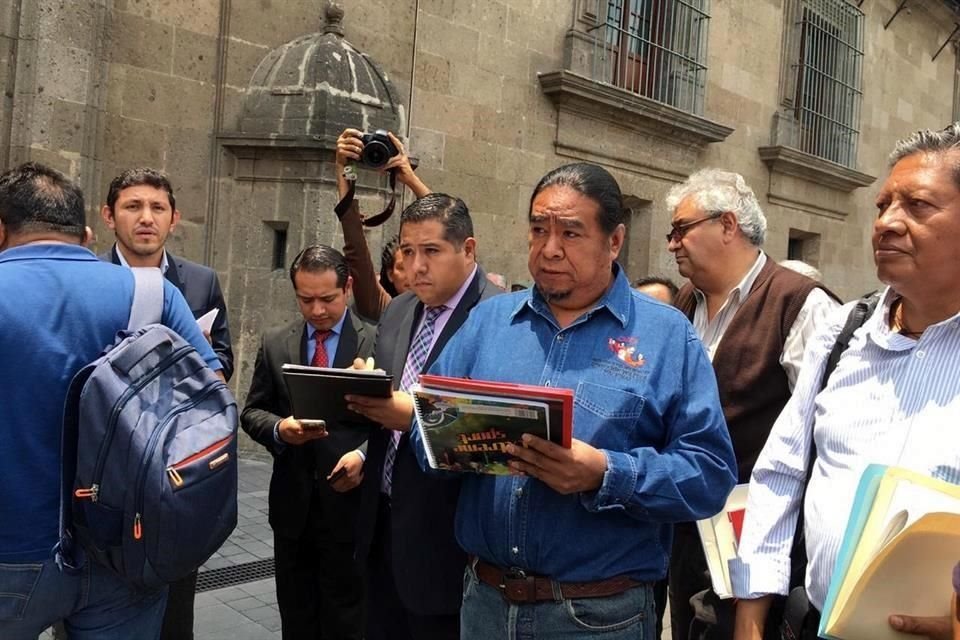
141,210
316,468
414,568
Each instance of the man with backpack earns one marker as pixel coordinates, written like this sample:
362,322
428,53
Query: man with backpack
59,307
892,398
142,211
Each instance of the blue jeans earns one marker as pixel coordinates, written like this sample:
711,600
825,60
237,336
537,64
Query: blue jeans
93,603
487,614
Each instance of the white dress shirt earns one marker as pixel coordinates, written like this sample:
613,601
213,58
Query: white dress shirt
814,312
892,400
164,261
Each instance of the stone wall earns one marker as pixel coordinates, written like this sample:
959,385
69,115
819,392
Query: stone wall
96,86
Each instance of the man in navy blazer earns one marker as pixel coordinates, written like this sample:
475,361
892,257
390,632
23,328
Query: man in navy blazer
142,211
414,567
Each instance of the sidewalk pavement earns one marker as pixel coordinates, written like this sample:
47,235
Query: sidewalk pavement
237,597
235,607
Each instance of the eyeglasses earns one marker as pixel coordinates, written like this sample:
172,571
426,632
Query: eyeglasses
680,230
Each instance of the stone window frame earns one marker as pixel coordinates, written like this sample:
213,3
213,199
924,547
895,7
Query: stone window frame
785,154
656,49
574,88
956,82
638,238
808,242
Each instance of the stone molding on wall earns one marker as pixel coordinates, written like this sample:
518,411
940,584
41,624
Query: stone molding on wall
277,158
580,95
237,141
794,162
301,159
833,213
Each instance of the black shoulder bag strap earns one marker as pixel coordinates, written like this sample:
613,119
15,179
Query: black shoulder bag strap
376,220
797,605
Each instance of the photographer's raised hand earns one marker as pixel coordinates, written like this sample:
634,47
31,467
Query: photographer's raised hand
349,147
405,175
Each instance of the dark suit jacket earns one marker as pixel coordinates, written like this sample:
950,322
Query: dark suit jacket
297,469
427,562
201,287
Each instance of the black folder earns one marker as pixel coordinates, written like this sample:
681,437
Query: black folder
317,393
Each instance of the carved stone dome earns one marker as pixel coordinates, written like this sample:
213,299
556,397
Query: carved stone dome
317,85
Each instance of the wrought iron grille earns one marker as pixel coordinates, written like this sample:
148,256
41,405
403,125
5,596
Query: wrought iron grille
656,49
829,71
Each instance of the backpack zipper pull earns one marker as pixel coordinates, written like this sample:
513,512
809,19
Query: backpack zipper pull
175,477
137,529
88,493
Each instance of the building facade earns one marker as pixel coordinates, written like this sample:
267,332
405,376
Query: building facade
240,101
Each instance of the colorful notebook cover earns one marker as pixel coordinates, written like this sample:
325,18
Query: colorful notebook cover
559,401
466,425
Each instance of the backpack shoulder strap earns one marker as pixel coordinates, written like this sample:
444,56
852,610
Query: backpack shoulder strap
858,316
147,306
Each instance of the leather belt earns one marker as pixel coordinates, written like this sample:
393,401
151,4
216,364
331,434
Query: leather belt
518,586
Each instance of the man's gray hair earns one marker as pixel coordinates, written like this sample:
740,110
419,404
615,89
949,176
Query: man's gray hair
717,191
929,141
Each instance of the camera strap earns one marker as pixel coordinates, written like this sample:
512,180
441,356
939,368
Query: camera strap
373,221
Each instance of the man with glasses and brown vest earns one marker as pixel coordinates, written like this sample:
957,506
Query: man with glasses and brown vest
754,318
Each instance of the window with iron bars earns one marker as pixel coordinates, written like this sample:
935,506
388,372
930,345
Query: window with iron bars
656,49
828,79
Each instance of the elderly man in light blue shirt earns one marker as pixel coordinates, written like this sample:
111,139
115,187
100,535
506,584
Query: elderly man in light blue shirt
893,399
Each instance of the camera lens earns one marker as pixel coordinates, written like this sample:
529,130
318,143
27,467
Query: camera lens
375,154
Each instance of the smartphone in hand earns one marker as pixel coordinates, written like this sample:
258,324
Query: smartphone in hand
313,425
339,474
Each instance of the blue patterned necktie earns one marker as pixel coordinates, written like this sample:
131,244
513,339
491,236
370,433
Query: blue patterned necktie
416,358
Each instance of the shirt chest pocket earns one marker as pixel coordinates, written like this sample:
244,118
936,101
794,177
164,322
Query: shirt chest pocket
605,416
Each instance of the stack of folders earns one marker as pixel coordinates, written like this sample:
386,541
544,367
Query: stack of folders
720,536
465,425
900,546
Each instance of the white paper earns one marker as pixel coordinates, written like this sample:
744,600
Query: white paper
720,542
205,322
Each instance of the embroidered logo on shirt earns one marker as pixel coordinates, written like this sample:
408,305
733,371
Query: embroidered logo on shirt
626,351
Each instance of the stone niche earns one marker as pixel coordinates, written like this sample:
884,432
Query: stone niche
277,188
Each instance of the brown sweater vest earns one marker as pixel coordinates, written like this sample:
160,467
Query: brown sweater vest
753,386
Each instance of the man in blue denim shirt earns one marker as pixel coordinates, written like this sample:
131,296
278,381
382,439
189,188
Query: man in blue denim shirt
587,528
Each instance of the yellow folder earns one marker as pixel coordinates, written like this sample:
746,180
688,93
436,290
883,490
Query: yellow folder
900,561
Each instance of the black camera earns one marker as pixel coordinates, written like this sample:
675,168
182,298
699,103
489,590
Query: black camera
377,149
